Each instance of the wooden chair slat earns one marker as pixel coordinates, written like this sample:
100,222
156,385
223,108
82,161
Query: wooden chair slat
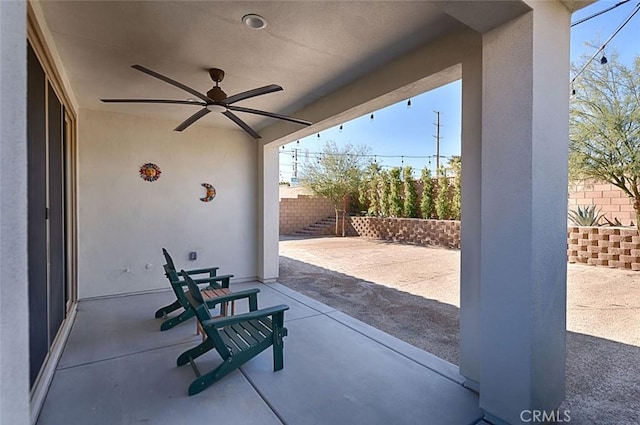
255,332
264,329
241,329
237,340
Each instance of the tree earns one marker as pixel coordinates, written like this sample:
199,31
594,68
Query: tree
383,183
455,164
395,192
427,206
604,131
372,188
335,175
410,194
443,206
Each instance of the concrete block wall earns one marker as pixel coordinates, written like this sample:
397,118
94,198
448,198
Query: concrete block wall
298,213
597,246
611,201
444,233
604,246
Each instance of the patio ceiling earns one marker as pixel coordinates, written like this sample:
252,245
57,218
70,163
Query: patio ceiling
309,48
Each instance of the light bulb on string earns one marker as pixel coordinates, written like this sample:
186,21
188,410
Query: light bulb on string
603,60
371,116
409,104
340,128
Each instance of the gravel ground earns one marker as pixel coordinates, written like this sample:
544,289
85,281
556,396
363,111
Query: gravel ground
388,286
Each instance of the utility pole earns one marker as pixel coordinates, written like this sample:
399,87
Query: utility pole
437,136
295,163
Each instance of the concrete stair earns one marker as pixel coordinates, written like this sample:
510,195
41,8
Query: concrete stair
324,227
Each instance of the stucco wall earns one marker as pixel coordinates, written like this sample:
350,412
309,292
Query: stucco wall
124,221
14,301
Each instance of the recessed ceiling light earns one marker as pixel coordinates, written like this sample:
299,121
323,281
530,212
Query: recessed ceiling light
254,21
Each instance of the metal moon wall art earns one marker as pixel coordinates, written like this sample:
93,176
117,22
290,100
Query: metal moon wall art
150,172
211,192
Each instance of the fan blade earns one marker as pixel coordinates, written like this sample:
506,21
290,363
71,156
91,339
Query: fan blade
269,114
242,124
252,93
193,118
172,82
176,102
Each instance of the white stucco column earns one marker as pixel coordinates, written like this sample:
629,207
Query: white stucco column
525,102
14,319
470,234
268,213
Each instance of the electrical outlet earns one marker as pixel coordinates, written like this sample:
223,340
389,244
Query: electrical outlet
193,256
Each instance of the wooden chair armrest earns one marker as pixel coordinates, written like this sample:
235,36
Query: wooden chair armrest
203,270
252,294
224,278
230,320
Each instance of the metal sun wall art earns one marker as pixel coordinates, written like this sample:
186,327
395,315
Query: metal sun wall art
150,172
211,192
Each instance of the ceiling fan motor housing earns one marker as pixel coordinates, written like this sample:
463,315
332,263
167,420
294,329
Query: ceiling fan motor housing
216,94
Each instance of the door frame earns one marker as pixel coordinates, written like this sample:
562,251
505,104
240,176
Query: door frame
37,38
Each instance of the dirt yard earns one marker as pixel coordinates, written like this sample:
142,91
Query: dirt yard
412,293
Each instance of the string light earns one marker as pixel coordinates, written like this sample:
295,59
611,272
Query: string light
371,116
375,157
408,103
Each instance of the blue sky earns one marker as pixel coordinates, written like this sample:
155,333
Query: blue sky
398,133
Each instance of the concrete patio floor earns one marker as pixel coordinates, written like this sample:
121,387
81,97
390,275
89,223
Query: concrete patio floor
118,368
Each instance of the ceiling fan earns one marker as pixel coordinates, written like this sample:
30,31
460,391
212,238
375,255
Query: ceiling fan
216,100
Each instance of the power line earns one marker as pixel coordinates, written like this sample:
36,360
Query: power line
626,21
599,13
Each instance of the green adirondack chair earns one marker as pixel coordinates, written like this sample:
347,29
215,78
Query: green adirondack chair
178,303
179,286
237,339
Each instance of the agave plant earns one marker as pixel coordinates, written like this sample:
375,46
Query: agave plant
615,222
588,216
